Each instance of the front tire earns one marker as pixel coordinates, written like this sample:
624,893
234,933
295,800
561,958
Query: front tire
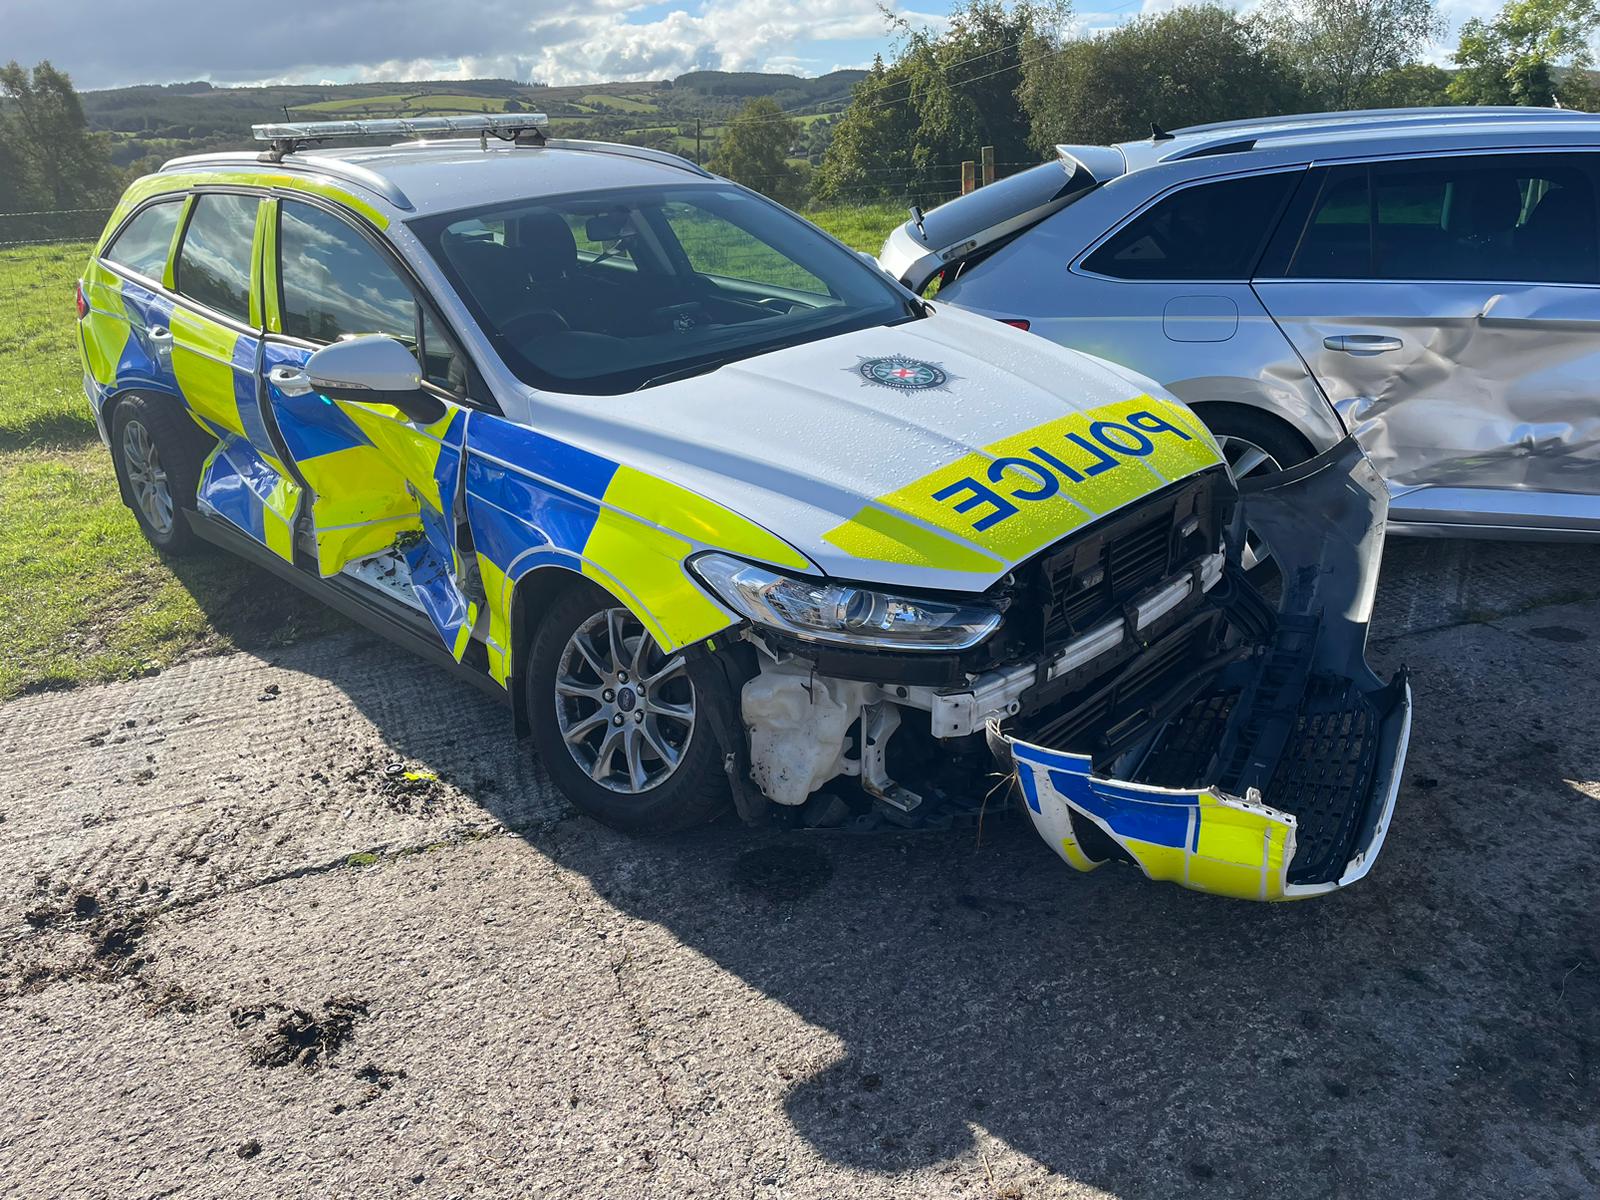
157,456
1255,444
620,725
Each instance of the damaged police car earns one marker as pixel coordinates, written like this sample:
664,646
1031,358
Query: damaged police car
728,515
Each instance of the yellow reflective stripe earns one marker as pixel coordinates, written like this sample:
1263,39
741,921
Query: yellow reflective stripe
497,594
646,562
169,270
886,537
1076,858
269,269
1240,850
698,519
202,362
1022,492
410,455
257,242
464,634
154,185
338,546
105,331
278,520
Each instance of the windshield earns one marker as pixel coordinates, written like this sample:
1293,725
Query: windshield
613,291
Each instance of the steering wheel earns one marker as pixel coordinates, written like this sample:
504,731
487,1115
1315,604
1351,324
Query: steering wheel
533,323
680,318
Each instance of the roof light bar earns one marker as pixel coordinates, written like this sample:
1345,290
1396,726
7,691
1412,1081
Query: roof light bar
480,123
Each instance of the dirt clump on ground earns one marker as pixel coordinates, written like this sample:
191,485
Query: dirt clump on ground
295,1036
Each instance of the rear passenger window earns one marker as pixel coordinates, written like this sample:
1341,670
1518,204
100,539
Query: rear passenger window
335,283
1211,231
1489,218
143,244
214,263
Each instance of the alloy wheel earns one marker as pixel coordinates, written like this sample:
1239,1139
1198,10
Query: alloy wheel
626,711
1245,458
147,478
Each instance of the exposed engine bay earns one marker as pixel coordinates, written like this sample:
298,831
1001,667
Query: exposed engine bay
1150,703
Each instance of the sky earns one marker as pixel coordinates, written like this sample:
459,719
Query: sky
110,43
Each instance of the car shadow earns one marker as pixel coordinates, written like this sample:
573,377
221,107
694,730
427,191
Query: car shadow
1432,1031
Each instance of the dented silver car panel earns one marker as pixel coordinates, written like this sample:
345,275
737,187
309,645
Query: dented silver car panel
1427,280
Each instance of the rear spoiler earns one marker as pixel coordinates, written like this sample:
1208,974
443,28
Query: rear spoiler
1100,163
918,250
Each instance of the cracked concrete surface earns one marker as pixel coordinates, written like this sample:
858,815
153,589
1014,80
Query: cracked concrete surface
338,860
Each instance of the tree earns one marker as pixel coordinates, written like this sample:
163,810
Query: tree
60,163
1193,64
1532,52
1416,85
754,151
911,123
1343,47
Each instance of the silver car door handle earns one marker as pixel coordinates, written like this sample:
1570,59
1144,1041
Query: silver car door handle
291,381
1362,343
158,333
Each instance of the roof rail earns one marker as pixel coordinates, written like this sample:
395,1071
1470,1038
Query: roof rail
1397,116
665,157
346,171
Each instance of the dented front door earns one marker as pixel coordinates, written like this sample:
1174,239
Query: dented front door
384,489
1450,308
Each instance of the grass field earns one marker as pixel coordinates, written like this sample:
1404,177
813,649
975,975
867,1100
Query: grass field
82,595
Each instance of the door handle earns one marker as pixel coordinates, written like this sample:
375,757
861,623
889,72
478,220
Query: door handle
291,381
1362,343
158,333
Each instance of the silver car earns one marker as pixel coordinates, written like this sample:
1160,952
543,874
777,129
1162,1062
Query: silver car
1426,279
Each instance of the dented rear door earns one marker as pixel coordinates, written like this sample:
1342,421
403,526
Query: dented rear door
1450,309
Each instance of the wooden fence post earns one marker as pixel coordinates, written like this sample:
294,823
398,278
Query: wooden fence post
987,154
969,175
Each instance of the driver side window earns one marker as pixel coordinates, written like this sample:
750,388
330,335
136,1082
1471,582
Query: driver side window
336,284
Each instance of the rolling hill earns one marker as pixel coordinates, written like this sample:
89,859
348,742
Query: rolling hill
151,123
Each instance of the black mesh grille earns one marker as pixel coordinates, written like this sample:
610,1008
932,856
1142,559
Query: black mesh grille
1089,581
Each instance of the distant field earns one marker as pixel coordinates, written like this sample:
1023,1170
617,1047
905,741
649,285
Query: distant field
601,103
433,102
82,596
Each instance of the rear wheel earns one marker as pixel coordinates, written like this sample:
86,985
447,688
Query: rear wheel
618,722
1255,445
158,453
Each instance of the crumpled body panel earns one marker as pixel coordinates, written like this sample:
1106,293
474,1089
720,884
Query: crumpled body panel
1491,385
1291,747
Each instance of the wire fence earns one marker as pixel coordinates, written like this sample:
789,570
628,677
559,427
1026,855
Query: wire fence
55,225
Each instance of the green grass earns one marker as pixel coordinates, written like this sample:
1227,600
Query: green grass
83,597
82,594
862,227
41,383
627,104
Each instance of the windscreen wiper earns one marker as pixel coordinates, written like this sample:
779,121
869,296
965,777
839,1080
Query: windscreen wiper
689,372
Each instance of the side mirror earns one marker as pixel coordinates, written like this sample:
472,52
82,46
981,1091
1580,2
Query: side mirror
373,370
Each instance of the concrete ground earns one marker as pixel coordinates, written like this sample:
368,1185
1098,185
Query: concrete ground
317,926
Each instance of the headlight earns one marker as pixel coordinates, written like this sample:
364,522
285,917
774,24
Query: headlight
823,611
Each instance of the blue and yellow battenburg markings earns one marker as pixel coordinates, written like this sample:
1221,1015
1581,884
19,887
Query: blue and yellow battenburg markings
1201,839
997,505
533,501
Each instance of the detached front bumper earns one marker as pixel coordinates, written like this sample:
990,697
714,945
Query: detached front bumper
1274,775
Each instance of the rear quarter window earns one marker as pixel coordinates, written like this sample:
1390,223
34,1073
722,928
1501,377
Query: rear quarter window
214,263
1207,231
145,241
